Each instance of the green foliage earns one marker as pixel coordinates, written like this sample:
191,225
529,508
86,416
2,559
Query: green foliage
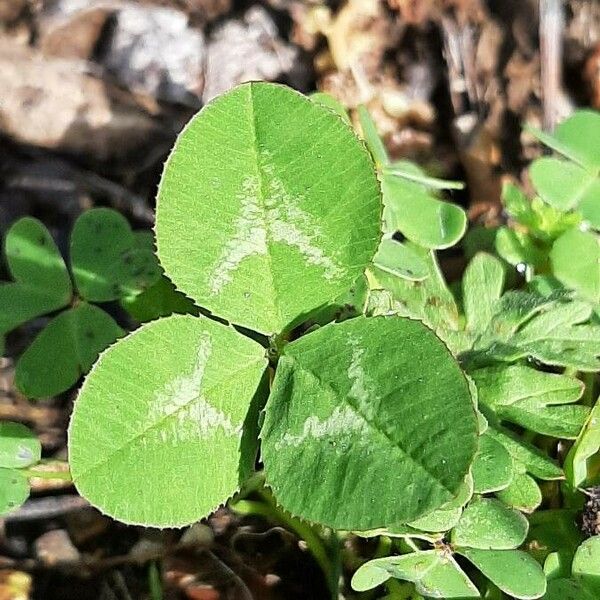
19,449
280,238
108,262
348,397
330,354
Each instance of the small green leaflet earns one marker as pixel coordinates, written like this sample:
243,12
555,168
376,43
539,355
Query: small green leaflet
19,446
411,209
360,410
585,579
577,138
575,258
564,184
74,339
42,283
585,447
435,574
108,260
541,402
493,466
14,490
483,283
515,572
284,199
523,493
399,259
157,442
488,524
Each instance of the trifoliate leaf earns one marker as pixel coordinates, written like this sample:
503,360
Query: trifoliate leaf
490,525
422,218
492,469
156,430
42,283
513,571
284,200
533,399
19,446
65,350
575,258
399,259
377,405
435,574
14,490
107,258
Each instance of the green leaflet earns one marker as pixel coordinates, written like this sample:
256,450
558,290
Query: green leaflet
399,259
523,493
564,184
434,573
42,283
488,524
483,283
284,199
14,490
19,446
157,441
422,218
108,260
577,138
493,466
584,583
513,571
360,410
538,401
575,258
532,458
73,339
585,447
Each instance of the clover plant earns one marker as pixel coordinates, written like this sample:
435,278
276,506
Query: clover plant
323,373
108,262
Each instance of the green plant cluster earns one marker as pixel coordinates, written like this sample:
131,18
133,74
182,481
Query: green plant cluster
334,381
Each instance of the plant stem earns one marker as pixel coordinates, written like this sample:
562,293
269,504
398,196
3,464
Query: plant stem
269,509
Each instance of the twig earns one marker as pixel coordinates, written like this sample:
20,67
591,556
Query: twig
551,52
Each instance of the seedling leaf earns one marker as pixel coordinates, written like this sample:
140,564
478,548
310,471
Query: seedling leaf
492,469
